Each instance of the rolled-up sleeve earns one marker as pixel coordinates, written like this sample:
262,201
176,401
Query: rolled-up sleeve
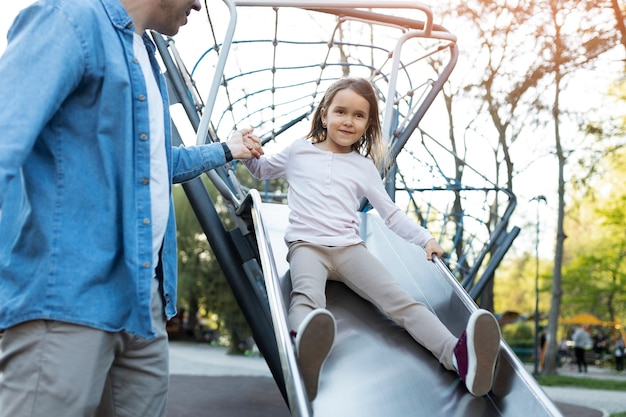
190,162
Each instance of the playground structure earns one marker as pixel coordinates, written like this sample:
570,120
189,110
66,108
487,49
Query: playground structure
269,72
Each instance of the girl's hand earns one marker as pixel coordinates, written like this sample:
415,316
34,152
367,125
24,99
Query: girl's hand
432,248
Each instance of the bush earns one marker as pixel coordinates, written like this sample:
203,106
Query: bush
519,334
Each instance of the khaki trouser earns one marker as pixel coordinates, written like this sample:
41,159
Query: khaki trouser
311,265
51,368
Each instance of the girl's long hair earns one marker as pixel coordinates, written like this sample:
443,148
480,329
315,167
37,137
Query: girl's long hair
371,143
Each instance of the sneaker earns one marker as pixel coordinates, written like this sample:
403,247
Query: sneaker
314,340
476,352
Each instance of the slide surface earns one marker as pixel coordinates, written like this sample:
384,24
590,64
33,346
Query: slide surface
376,369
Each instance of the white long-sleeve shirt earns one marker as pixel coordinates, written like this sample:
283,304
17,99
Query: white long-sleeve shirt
325,190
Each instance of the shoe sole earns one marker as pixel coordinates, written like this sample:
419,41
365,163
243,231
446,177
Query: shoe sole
482,349
316,342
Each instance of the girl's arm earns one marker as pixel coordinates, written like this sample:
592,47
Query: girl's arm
269,166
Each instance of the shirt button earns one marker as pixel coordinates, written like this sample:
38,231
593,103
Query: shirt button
135,60
143,136
142,97
145,181
146,264
146,221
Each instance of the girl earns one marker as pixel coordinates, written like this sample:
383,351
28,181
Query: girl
327,176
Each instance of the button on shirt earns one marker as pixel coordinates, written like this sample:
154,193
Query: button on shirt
76,231
159,180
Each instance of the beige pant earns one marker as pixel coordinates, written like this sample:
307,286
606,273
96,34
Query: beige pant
51,368
311,265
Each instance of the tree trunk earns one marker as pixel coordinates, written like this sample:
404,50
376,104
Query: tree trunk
619,21
550,364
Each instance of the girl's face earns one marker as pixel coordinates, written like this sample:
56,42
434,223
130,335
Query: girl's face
346,119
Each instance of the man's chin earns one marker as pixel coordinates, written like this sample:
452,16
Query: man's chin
169,31
172,29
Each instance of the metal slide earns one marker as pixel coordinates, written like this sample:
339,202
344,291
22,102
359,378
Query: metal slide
375,367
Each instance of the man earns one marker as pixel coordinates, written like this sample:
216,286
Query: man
88,243
582,342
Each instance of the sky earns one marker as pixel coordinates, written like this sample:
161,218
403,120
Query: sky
529,184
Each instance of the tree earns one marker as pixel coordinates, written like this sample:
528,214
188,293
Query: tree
501,86
595,269
515,291
202,286
524,57
566,39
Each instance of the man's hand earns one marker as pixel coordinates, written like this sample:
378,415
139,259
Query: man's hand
243,144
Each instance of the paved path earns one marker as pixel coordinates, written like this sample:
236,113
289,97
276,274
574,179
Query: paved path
206,360
608,402
207,381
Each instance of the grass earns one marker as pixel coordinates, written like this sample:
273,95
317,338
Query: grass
590,383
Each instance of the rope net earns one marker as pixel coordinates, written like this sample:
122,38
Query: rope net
281,61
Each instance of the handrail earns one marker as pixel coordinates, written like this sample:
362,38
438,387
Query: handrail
296,394
437,86
393,77
203,128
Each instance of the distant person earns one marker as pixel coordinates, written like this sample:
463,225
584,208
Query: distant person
600,345
618,351
562,352
582,343
328,175
87,228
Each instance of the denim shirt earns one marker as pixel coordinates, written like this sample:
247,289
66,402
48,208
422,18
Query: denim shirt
75,233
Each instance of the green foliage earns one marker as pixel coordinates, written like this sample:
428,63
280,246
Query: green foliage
203,289
594,270
514,288
520,334
594,278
